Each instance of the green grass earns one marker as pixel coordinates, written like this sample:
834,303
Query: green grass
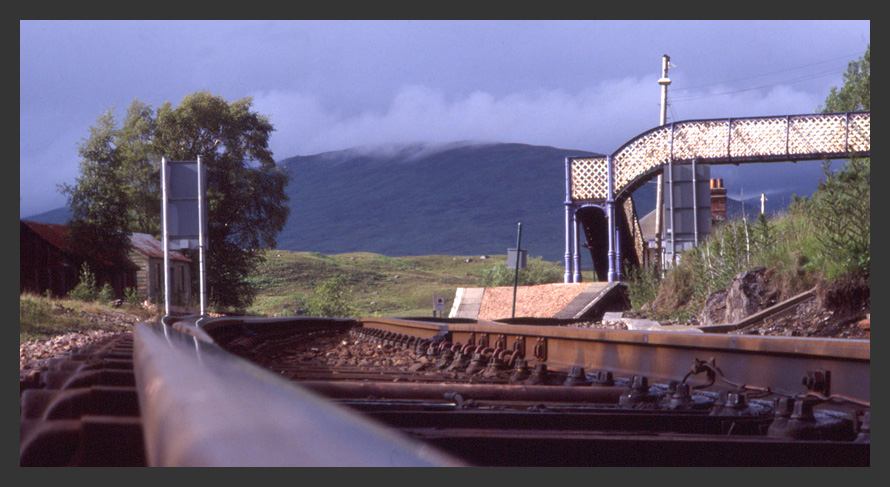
286,283
42,318
379,285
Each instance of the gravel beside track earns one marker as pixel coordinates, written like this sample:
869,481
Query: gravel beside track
33,354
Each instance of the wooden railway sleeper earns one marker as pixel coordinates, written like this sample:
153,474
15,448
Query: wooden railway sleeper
89,441
83,409
49,404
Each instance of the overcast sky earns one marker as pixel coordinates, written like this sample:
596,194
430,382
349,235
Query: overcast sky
330,85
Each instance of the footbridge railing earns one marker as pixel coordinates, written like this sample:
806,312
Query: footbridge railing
605,179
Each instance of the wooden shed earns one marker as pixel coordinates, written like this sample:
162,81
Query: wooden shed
48,262
148,254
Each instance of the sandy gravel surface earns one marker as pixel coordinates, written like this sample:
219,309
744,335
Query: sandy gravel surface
541,301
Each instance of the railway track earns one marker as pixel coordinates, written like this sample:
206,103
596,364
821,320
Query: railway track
440,392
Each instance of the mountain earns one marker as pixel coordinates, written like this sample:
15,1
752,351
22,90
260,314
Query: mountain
454,199
458,199
58,216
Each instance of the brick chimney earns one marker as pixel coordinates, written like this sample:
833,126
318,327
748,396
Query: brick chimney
718,201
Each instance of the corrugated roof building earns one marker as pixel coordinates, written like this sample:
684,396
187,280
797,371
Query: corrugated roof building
48,261
148,254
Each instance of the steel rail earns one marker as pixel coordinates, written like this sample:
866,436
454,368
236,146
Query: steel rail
780,363
203,406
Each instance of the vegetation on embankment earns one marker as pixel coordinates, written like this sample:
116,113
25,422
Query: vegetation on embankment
367,284
822,241
41,318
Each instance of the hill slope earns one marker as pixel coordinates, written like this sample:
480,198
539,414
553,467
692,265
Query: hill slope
422,200
460,199
59,216
411,200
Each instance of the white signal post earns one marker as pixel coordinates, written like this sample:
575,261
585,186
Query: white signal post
201,237
164,237
188,228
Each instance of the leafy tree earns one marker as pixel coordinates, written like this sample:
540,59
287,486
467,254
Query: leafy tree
840,208
85,290
119,188
245,188
119,170
855,94
99,229
140,168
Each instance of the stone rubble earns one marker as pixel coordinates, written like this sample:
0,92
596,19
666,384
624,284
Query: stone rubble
33,353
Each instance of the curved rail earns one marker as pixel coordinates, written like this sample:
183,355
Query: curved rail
203,406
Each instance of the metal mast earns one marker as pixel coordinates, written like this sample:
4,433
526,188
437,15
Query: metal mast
664,81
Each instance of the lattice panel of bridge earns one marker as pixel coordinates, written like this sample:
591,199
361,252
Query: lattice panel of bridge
642,154
590,178
723,141
753,137
859,132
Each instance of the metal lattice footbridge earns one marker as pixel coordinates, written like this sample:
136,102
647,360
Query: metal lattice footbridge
606,181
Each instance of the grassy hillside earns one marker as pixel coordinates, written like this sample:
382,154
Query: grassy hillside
448,200
378,285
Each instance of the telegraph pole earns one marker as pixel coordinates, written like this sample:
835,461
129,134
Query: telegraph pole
664,81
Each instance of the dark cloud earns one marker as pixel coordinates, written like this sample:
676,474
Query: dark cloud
587,85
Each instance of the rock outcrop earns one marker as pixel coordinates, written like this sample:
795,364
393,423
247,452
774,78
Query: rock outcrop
747,294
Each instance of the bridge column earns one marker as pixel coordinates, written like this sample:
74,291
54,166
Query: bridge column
610,215
610,219
671,210
619,273
568,256
576,252
570,217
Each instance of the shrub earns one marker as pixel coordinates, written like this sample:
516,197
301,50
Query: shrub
642,286
131,296
674,299
332,299
840,211
105,294
536,272
85,290
299,305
